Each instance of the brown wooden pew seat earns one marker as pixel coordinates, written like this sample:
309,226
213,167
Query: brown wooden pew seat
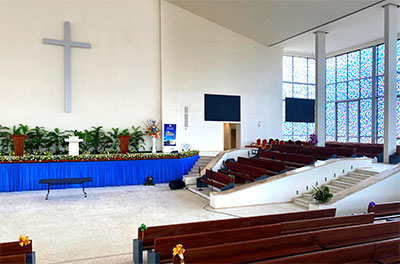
218,180
272,167
257,173
385,209
281,246
13,259
165,244
12,251
386,251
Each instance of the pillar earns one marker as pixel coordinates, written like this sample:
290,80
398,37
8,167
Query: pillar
391,14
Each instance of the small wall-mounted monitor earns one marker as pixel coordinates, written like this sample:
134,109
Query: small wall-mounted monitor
300,110
222,108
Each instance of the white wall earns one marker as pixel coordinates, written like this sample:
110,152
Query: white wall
386,190
116,83
284,187
199,57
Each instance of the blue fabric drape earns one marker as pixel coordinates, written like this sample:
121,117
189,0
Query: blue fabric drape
26,176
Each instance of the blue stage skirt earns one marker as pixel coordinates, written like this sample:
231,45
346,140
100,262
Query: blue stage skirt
26,176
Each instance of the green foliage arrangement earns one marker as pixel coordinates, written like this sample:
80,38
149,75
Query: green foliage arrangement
321,195
50,157
95,140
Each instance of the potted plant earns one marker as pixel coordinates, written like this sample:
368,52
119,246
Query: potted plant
124,137
152,130
137,140
18,136
321,195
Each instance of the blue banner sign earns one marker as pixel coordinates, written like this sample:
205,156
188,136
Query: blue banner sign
169,134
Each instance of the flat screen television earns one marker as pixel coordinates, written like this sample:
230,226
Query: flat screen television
300,110
221,108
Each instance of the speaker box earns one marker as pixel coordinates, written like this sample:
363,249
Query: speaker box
176,184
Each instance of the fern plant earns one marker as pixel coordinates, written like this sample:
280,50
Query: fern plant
137,139
321,195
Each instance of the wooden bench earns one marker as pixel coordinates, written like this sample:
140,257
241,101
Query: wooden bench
218,180
252,171
281,246
12,252
64,182
385,209
295,160
272,167
164,245
239,176
386,251
216,225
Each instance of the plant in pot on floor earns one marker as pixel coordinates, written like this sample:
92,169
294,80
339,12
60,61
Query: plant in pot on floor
321,195
124,137
19,134
5,140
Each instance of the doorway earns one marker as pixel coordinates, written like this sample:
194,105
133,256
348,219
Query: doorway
231,136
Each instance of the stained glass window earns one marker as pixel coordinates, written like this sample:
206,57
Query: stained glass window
341,68
354,65
366,63
298,82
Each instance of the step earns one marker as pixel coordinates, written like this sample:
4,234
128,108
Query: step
349,179
307,196
333,188
371,173
342,185
358,175
302,202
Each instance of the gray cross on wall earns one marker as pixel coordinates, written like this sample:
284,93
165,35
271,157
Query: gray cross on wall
67,43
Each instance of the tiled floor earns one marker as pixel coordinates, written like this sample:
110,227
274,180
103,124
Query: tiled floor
69,228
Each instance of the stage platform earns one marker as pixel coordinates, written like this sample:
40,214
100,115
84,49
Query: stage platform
26,176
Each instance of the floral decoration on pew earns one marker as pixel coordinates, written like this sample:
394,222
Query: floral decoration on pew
372,204
143,228
23,242
49,157
313,139
179,250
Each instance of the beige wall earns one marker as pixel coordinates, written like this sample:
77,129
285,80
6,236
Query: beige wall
200,57
116,83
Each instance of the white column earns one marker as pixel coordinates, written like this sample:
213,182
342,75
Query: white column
320,79
390,80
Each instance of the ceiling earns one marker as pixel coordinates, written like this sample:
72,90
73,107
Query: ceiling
290,24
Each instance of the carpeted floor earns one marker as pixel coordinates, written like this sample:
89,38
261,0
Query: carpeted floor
69,228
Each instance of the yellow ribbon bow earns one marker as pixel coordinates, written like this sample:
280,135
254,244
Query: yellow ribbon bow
24,240
179,250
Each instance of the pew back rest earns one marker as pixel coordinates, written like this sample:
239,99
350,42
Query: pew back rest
266,154
262,249
250,170
219,177
165,244
13,259
197,227
13,248
299,158
273,165
385,209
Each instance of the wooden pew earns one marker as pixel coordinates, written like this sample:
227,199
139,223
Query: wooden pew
13,259
273,167
295,160
255,172
218,180
9,249
164,245
385,209
239,176
154,232
386,251
281,246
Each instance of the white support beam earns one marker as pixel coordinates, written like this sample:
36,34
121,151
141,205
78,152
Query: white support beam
391,16
320,79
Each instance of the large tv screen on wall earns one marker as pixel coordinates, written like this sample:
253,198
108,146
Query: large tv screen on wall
221,108
300,110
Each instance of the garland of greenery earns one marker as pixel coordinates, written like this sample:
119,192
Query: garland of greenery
49,157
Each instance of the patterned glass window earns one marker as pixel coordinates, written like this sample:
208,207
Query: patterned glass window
298,82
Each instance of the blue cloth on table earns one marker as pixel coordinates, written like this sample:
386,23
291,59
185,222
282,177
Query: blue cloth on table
26,176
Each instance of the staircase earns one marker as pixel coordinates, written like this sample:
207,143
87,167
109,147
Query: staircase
337,185
203,161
